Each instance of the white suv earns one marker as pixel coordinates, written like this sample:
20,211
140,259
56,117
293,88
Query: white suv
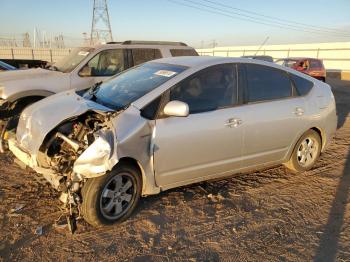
83,68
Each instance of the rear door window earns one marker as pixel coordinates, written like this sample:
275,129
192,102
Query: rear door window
183,52
266,83
142,55
302,85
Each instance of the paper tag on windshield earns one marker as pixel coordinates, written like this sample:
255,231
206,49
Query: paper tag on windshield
83,53
165,73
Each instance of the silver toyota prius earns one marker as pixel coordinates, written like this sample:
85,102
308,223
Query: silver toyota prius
172,122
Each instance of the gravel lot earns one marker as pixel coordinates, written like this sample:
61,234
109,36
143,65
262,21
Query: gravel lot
270,215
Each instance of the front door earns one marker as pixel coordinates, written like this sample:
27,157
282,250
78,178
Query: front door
207,143
102,66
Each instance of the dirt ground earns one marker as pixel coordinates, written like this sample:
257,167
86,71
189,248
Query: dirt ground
264,216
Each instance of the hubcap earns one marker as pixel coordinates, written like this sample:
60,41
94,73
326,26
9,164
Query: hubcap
307,151
117,196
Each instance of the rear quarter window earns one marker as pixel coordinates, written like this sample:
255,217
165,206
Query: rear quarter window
302,85
183,52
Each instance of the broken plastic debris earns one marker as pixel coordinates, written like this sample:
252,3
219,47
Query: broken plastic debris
39,231
17,208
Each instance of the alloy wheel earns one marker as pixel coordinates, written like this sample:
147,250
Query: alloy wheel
307,151
117,196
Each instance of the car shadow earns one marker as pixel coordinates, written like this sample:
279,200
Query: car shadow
341,98
329,241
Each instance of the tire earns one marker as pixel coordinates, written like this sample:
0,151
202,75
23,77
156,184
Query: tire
111,198
305,153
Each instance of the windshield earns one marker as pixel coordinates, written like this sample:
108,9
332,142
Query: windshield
120,91
70,62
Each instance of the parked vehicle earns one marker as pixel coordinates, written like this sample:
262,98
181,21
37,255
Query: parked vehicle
83,68
260,57
310,66
169,123
26,63
6,67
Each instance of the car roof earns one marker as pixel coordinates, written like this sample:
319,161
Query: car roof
129,46
198,61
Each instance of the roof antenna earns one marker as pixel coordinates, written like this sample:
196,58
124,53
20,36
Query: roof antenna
267,38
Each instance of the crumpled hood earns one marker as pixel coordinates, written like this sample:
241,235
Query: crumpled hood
12,82
39,119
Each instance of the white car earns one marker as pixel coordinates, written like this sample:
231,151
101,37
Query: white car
83,68
169,123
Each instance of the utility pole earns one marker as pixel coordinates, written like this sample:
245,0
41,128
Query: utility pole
101,27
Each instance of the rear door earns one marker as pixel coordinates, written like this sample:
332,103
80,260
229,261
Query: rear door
208,142
274,115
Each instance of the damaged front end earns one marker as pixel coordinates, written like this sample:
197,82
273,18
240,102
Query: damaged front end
74,150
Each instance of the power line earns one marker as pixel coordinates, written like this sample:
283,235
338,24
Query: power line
277,19
258,20
214,10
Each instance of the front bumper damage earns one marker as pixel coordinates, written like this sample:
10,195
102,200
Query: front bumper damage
31,161
95,161
82,138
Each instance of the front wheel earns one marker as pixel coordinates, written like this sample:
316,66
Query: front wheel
111,198
305,153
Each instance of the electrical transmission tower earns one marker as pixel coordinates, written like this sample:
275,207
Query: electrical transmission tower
101,27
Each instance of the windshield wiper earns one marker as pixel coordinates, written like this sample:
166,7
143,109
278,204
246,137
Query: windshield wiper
53,68
93,90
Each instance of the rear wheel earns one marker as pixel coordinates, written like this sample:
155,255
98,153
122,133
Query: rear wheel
111,198
305,153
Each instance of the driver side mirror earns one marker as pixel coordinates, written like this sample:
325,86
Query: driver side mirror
176,108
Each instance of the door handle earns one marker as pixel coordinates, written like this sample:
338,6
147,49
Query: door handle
233,122
298,111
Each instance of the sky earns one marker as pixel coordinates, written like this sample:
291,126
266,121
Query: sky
167,20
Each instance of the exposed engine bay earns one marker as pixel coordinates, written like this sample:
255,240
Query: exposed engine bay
60,150
68,141
82,142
